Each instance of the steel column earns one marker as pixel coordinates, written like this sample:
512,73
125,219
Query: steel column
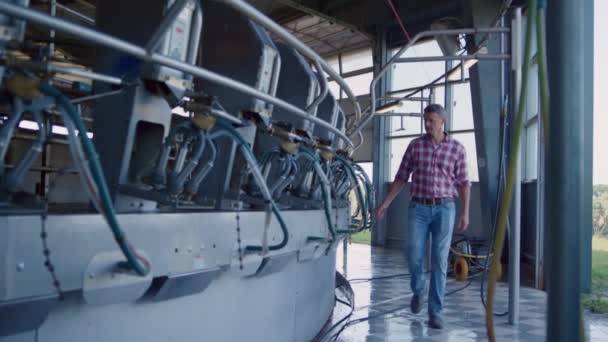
381,150
586,225
565,183
515,220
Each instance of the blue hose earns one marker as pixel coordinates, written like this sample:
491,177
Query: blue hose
134,261
249,156
351,174
326,196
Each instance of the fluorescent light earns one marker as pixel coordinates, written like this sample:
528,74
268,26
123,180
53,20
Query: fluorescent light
60,130
454,75
389,107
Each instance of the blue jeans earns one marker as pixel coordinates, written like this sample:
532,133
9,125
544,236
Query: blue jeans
438,221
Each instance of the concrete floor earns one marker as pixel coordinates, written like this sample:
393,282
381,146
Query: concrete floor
463,313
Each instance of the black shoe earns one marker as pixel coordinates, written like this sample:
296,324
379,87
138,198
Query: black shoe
416,304
435,322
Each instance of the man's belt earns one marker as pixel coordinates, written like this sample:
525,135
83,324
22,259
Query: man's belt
433,201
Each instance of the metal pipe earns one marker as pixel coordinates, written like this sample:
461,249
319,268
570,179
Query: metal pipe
449,97
126,47
478,56
283,175
177,186
386,67
222,114
201,172
288,38
20,24
289,180
430,86
168,19
274,83
53,12
324,88
54,68
565,164
461,131
195,34
6,132
96,96
84,73
416,115
514,233
15,177
76,13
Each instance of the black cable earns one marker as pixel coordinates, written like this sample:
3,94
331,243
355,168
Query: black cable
361,280
343,302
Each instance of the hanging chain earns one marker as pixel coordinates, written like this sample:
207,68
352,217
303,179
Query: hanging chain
242,179
46,251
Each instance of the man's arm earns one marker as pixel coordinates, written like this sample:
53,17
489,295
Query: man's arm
465,196
403,174
395,188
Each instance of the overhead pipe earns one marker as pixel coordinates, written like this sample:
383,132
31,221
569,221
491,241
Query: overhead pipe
139,52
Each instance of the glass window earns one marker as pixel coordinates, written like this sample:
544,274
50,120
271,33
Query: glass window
533,93
468,140
405,125
439,95
530,171
334,88
360,84
398,147
368,167
357,60
463,107
408,75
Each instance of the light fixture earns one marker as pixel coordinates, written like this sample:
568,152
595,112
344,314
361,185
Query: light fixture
60,130
385,108
455,74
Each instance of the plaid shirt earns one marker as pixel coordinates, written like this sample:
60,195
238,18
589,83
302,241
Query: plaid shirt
438,170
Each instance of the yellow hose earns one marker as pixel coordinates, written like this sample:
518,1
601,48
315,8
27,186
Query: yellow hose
468,255
513,165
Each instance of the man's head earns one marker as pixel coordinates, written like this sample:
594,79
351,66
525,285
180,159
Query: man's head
434,119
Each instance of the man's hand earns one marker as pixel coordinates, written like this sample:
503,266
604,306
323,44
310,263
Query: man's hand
463,223
380,212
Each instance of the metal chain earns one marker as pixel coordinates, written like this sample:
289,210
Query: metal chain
46,251
244,174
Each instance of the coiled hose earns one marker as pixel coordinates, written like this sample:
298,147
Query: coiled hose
353,177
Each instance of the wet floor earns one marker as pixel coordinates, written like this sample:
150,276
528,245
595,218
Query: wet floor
387,302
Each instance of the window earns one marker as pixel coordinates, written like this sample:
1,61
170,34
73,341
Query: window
357,60
462,110
398,147
468,140
368,167
405,125
530,141
360,84
334,88
408,75
530,171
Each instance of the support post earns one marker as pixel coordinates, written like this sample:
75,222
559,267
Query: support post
565,165
381,150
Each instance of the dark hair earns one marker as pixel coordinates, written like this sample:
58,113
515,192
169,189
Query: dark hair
435,108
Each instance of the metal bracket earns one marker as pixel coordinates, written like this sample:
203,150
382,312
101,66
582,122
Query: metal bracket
105,283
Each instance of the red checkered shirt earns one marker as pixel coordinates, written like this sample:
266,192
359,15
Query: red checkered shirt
438,170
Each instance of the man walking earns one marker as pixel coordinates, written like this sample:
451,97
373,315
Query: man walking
437,163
